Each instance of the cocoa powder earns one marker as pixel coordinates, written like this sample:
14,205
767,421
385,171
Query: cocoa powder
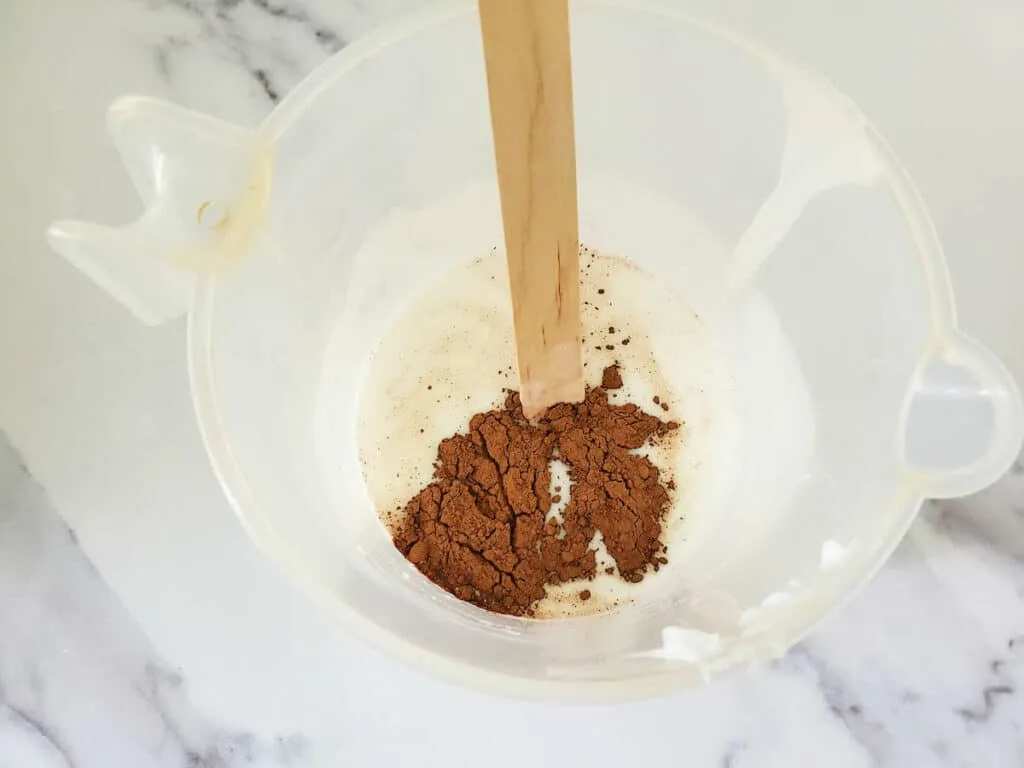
482,529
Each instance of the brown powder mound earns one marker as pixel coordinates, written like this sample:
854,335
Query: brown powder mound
480,529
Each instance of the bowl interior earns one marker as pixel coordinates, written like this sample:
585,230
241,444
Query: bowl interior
745,187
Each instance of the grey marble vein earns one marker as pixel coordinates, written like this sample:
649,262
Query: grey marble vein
731,756
74,668
329,39
37,729
841,701
248,32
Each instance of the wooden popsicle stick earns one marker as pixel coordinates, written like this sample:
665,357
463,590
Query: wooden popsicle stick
529,80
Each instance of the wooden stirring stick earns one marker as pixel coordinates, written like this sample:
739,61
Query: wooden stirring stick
529,80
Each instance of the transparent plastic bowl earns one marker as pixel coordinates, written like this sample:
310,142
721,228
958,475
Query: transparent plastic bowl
749,187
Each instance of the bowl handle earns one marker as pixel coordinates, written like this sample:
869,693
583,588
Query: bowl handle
965,423
204,184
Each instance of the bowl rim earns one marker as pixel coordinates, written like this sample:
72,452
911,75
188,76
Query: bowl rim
801,615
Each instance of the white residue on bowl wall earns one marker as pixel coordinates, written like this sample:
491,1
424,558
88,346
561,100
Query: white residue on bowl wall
826,147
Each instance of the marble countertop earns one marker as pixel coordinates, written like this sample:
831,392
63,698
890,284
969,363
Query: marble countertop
139,627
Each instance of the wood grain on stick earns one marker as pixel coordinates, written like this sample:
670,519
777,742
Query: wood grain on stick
529,80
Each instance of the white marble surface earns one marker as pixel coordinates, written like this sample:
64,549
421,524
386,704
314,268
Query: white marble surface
139,628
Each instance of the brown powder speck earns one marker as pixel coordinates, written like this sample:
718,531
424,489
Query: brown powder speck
609,570
611,377
611,329
600,290
609,346
585,595
657,400
664,406
479,530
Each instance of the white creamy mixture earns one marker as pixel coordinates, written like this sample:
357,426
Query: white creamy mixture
451,355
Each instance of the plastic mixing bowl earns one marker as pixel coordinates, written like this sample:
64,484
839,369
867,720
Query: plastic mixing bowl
749,188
